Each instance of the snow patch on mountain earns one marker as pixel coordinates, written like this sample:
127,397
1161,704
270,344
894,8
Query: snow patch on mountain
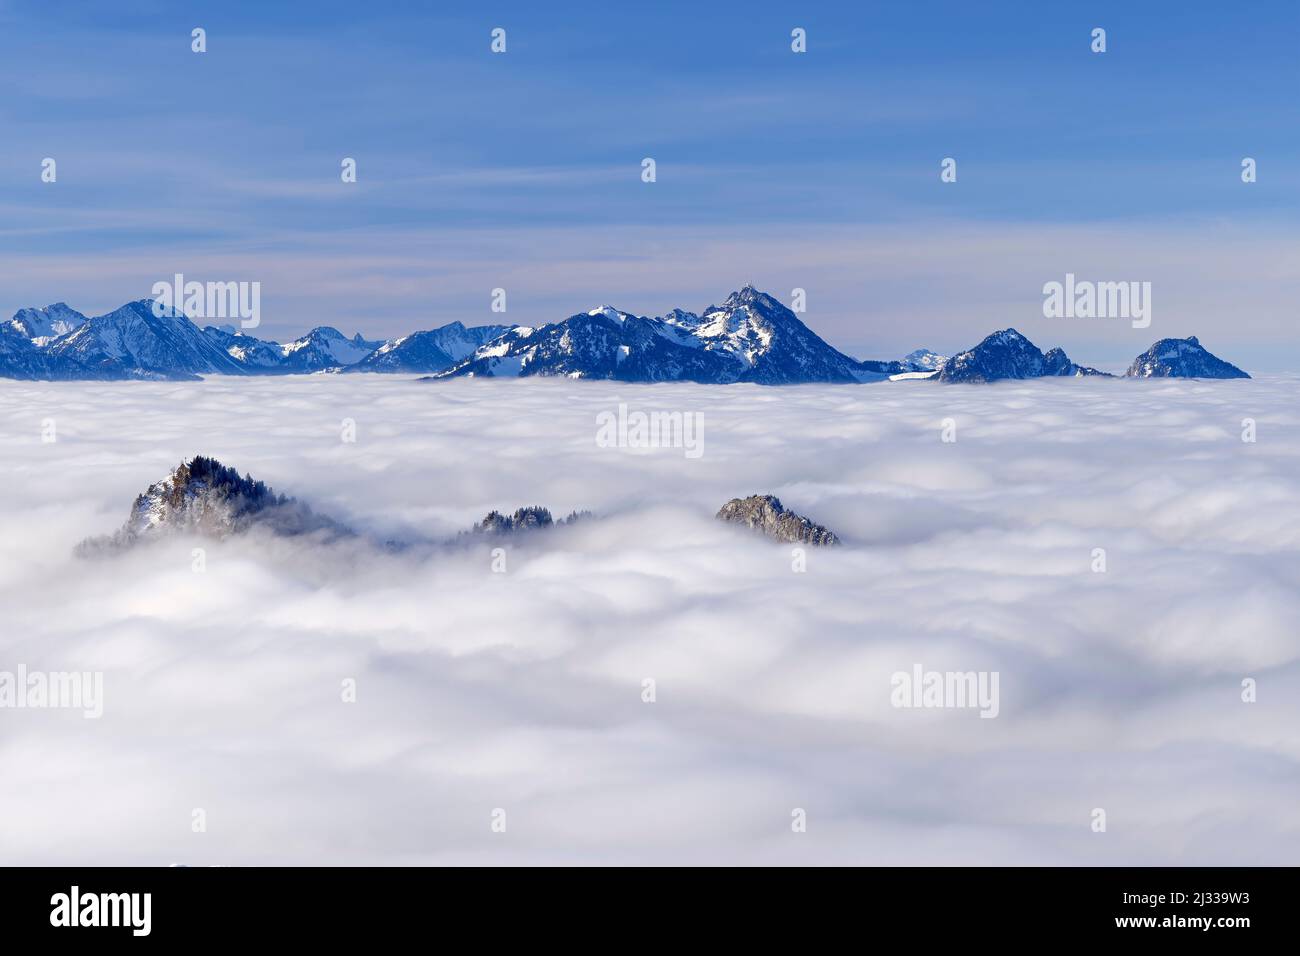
44,325
923,360
429,351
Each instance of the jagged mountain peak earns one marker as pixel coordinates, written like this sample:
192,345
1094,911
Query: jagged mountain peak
681,318
1008,354
135,341
609,312
749,293
1181,358
749,297
429,351
204,497
325,347
44,325
766,514
750,338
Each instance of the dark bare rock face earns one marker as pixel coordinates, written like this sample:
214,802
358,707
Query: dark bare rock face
765,513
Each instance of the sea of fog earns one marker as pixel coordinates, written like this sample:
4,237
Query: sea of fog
500,710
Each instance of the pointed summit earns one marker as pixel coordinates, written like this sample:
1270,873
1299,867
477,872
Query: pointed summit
765,513
609,312
1008,354
751,337
770,343
749,295
1181,358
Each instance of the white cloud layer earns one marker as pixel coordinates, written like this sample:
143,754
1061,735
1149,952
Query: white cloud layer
522,690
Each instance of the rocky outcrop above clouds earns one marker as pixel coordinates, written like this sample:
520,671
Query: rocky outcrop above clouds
1009,355
1181,358
766,514
204,498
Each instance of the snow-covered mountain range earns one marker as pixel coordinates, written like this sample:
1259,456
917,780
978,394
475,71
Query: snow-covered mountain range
1009,355
134,341
750,337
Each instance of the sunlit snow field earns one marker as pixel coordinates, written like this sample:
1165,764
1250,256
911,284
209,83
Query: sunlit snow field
523,690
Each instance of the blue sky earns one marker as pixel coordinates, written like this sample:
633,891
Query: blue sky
522,170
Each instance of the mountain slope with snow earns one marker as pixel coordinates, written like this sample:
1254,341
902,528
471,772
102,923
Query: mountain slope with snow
19,357
749,338
133,342
323,348
601,344
923,360
257,356
429,351
769,343
44,325
1181,358
1009,355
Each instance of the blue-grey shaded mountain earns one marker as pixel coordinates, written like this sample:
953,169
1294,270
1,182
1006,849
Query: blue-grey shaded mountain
19,357
44,325
923,360
322,349
919,360
883,367
133,342
1181,358
1009,355
256,356
325,348
431,351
